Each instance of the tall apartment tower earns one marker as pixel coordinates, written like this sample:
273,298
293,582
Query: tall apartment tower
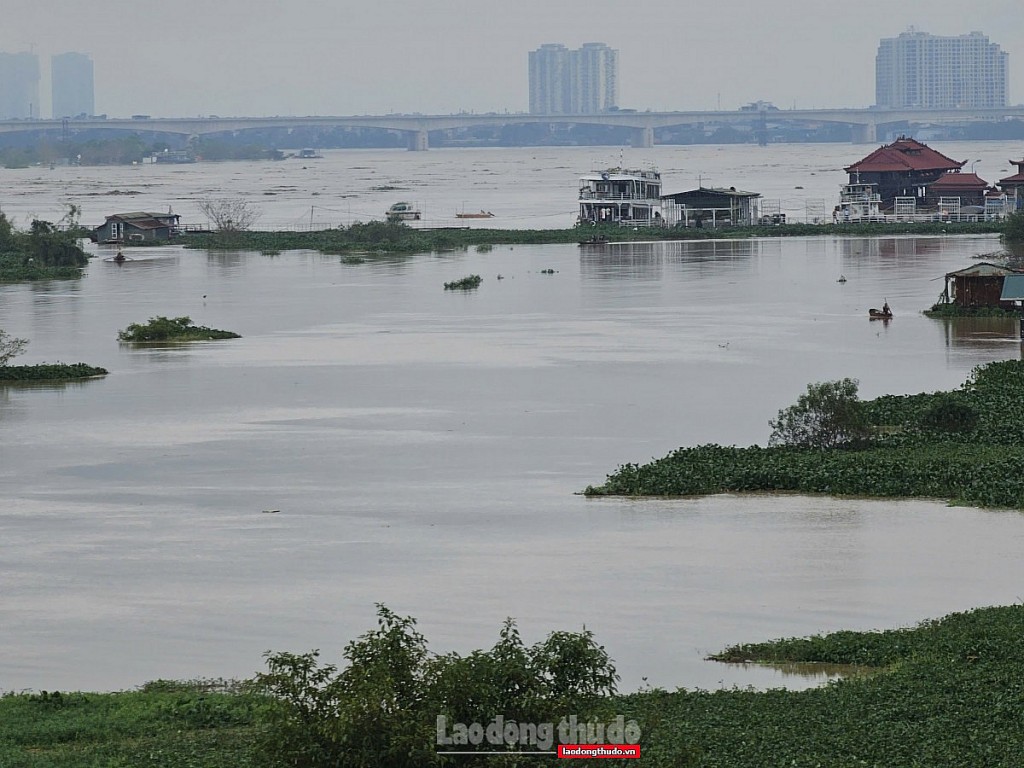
930,72
72,83
583,81
550,80
596,78
19,85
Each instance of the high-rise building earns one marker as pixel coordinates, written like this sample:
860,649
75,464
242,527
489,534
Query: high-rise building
19,85
596,86
583,81
72,83
550,80
916,69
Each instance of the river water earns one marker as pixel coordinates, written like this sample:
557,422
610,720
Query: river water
424,448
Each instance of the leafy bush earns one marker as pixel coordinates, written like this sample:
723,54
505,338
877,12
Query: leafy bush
1013,228
10,347
382,709
829,414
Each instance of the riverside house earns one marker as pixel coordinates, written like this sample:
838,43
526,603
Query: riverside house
136,227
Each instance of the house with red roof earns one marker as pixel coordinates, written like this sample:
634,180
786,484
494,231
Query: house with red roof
904,168
968,188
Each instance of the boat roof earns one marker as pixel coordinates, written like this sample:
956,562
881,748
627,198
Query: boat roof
620,174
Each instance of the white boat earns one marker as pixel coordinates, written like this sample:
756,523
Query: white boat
857,203
620,196
402,212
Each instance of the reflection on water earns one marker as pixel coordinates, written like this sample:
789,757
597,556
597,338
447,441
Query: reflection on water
810,671
906,250
1000,336
616,261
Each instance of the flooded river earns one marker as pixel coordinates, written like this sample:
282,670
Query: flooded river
424,449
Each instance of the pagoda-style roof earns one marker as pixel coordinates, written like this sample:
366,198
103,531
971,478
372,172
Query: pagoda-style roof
904,156
958,181
1018,178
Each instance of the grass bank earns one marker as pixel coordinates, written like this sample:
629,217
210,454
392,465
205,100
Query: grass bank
974,458
947,695
380,237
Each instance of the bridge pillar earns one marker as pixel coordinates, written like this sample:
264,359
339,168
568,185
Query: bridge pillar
419,142
865,134
643,138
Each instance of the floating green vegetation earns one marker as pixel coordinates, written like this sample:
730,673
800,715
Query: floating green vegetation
353,260
964,446
172,329
384,237
467,283
547,271
50,372
944,309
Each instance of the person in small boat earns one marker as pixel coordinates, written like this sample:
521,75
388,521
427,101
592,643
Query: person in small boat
885,309
119,258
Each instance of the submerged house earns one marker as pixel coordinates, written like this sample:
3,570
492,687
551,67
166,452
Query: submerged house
979,285
904,169
136,227
711,207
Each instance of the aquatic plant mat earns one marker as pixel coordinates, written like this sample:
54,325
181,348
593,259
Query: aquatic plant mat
965,446
948,694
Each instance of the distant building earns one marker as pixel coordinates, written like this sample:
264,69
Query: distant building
713,207
563,81
19,85
71,77
926,71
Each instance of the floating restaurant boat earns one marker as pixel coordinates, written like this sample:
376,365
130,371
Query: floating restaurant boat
857,203
620,196
402,212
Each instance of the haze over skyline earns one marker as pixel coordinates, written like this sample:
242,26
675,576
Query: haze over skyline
318,57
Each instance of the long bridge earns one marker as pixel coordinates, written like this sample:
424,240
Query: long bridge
864,122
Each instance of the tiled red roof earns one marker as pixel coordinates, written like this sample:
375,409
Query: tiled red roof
1017,178
905,155
958,181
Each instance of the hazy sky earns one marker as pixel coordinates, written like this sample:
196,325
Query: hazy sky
337,57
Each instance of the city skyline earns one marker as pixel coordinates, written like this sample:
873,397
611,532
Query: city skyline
317,57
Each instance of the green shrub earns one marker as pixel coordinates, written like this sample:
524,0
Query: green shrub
829,414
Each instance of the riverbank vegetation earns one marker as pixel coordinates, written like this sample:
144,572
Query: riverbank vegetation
171,329
942,695
963,446
384,237
43,253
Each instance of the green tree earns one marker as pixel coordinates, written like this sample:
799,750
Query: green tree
1013,229
10,347
828,415
382,709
